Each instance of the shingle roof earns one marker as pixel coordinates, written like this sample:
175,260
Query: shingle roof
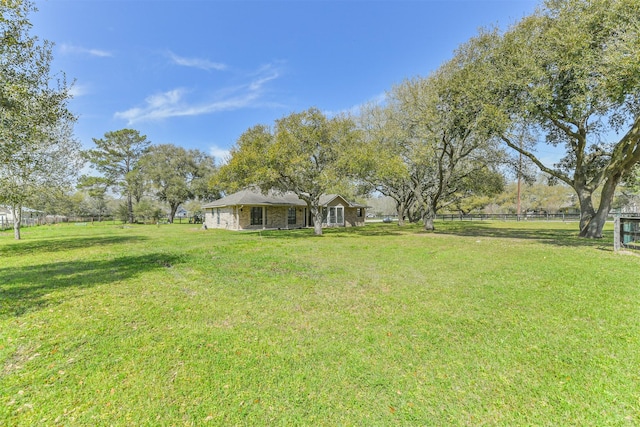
325,199
254,197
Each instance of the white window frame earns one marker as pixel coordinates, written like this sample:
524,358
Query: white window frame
335,214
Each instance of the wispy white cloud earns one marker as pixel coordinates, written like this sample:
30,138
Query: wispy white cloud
175,103
356,109
68,49
203,64
265,74
77,90
220,154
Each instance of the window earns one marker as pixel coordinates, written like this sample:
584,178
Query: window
256,215
218,212
359,212
291,216
336,215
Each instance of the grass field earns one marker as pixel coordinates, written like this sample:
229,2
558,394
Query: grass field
475,324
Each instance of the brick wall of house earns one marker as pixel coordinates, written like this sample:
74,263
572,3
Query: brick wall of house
276,217
351,218
224,218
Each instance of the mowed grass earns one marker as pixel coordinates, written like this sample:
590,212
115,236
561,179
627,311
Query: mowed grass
475,324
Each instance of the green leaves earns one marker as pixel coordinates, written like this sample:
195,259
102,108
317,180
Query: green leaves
117,153
570,72
37,148
303,153
177,174
116,157
428,145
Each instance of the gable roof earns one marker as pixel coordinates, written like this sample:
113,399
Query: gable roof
325,199
254,197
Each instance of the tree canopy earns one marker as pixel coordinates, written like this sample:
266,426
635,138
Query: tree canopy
38,151
382,162
570,72
431,144
177,174
302,154
116,157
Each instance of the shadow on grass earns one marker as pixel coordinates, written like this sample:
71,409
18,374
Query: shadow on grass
367,230
546,235
371,230
24,247
28,288
551,236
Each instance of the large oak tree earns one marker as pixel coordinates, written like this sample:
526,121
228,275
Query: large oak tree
571,73
431,144
177,175
382,162
451,136
301,154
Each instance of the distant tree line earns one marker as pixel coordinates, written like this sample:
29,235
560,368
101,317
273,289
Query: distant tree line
566,76
537,195
136,181
145,174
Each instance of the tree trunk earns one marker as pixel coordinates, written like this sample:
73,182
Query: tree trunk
317,224
130,207
586,208
427,218
593,228
17,217
316,214
401,210
172,212
427,210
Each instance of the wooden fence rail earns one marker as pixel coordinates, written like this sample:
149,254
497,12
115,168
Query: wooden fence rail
6,224
509,217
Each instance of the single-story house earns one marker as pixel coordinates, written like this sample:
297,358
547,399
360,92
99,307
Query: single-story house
250,209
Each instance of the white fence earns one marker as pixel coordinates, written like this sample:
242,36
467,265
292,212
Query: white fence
6,224
25,222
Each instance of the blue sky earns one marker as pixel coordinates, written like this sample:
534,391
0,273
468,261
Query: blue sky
198,73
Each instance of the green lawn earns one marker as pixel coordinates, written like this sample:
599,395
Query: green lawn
475,324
